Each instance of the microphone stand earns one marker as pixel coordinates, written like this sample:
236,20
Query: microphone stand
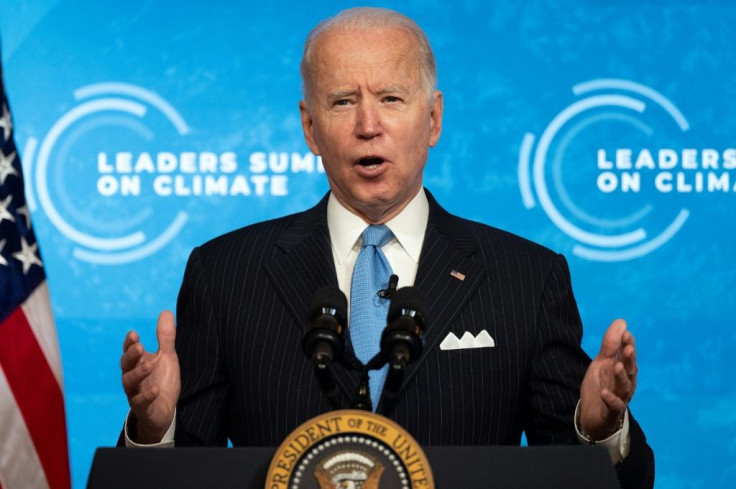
362,400
394,378
326,381
390,391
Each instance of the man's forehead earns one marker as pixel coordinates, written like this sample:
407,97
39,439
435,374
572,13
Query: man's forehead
387,53
360,43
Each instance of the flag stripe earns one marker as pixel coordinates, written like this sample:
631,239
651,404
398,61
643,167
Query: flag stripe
38,395
19,465
37,309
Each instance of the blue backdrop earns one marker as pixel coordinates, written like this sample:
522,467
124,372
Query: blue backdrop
602,129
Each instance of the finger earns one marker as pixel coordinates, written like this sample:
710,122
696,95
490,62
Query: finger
629,361
622,382
130,338
166,332
616,406
141,401
132,379
131,357
612,339
628,338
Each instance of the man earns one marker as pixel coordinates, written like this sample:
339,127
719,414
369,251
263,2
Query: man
371,111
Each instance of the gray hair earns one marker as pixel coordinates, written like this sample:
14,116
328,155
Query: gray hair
372,18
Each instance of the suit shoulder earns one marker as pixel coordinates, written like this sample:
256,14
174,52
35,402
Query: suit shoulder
263,231
490,237
494,243
264,234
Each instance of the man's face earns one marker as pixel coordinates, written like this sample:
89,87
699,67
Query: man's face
370,119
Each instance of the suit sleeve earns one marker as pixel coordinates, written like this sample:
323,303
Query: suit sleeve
202,410
558,362
557,370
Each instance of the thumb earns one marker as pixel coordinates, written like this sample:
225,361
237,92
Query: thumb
166,332
613,338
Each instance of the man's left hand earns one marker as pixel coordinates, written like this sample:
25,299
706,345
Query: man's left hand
609,383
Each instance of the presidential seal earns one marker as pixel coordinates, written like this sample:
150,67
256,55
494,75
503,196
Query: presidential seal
349,449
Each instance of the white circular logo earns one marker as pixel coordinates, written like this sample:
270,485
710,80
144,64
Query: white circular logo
583,145
100,106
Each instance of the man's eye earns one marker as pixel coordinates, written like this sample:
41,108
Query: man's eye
391,99
342,102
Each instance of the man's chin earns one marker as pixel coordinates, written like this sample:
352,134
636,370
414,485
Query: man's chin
379,208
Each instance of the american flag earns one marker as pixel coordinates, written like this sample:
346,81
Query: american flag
33,442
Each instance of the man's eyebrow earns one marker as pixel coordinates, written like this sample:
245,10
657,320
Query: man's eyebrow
350,92
341,93
392,89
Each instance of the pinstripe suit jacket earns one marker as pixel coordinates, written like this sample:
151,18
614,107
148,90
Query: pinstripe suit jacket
243,306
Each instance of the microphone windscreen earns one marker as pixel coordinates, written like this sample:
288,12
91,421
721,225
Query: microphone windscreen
406,298
329,297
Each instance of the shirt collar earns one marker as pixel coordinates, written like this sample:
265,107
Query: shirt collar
408,227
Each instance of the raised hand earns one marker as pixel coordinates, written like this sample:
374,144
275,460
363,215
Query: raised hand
152,382
609,383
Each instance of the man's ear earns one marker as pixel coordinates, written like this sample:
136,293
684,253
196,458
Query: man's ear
436,116
308,127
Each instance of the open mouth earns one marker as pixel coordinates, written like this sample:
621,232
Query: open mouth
370,161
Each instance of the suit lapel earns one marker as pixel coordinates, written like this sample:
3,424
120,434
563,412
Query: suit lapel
447,247
305,265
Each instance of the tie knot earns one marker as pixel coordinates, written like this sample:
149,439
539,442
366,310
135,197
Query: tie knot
377,235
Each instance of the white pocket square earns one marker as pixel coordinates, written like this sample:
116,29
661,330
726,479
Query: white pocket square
483,340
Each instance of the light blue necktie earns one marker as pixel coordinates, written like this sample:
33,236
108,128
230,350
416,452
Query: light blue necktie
367,310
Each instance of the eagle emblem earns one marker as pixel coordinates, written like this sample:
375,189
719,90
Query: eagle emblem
349,470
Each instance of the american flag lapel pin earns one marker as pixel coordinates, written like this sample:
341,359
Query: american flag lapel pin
457,275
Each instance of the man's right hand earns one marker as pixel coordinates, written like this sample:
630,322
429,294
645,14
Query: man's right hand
152,382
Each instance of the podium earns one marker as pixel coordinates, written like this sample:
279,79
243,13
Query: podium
454,467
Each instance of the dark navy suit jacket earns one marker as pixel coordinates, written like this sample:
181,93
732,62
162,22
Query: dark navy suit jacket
241,317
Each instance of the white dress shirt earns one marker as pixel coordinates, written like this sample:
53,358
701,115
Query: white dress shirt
402,251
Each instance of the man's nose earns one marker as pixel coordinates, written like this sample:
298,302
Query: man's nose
368,121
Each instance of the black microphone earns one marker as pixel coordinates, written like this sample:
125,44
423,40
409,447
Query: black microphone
386,293
401,341
323,341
